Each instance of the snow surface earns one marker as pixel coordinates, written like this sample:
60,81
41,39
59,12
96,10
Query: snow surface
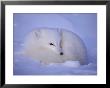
27,66
84,25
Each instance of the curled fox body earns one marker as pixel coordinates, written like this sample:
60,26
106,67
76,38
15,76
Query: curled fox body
50,45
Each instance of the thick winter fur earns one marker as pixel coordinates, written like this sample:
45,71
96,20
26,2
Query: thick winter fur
46,44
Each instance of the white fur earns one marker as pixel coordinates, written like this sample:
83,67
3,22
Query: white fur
37,46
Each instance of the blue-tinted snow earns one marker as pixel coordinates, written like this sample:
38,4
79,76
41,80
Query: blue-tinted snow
84,25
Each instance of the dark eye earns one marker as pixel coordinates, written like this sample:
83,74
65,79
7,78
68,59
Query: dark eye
51,44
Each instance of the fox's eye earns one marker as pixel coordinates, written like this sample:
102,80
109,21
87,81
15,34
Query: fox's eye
51,44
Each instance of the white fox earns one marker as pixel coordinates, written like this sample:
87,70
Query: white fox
52,45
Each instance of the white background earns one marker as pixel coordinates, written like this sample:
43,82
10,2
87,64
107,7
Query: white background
101,53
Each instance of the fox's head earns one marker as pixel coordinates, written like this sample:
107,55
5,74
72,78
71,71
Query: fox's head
50,39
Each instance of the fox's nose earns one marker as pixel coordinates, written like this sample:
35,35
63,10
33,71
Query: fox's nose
61,53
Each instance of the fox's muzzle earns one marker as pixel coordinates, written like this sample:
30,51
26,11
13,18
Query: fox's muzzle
61,53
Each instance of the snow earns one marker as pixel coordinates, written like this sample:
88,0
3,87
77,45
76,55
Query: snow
83,25
28,66
71,64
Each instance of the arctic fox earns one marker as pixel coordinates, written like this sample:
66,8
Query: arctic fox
52,45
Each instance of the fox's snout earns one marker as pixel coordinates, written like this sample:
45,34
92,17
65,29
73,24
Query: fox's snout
61,53
60,50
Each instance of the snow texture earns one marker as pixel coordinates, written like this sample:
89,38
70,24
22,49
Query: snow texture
84,25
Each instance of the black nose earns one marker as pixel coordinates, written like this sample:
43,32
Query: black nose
61,53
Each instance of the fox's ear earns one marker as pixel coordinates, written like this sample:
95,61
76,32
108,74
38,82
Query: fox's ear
37,33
